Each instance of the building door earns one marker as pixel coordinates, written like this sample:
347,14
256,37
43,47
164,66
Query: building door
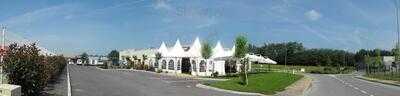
186,65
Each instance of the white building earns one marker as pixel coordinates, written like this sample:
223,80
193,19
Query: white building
96,60
176,59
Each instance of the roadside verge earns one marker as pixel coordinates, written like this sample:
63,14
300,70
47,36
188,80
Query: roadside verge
388,82
296,89
300,87
228,91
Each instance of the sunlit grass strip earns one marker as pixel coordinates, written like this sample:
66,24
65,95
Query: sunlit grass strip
264,83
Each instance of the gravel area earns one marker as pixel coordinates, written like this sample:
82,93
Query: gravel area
59,87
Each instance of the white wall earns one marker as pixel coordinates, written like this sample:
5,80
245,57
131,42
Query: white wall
220,67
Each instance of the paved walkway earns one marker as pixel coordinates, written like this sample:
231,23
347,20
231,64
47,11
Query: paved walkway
58,87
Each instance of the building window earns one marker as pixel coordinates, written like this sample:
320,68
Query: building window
194,66
164,64
179,65
171,65
203,66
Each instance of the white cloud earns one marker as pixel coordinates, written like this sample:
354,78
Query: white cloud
162,4
313,15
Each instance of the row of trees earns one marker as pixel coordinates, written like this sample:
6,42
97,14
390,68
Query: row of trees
137,63
294,53
26,67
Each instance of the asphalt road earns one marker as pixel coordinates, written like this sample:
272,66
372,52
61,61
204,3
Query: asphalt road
90,81
347,85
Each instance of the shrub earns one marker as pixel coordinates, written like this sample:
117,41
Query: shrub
332,70
26,67
145,67
159,71
215,74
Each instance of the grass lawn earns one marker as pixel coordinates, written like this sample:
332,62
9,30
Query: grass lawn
282,67
264,83
274,67
385,76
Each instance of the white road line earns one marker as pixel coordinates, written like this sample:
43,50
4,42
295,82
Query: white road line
345,83
68,81
363,92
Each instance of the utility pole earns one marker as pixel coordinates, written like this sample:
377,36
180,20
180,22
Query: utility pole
2,53
286,69
397,22
398,34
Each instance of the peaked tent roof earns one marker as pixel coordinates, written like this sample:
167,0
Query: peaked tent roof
218,51
177,50
195,49
163,49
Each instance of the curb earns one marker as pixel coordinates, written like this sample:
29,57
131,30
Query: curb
68,82
376,80
212,79
166,74
228,91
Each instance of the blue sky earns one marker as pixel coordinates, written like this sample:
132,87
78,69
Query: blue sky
98,26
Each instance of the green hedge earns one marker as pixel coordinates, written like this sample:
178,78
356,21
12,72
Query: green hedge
332,70
24,66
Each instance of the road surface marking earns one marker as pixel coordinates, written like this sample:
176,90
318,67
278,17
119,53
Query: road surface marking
68,82
363,92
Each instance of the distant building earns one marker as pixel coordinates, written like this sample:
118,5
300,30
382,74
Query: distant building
97,60
388,61
93,60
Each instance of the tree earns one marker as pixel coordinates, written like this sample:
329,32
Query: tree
144,58
206,50
113,56
240,52
158,57
397,56
130,62
85,58
368,62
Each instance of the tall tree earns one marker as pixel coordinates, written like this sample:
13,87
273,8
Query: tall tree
113,56
206,50
397,53
158,57
144,58
85,58
240,52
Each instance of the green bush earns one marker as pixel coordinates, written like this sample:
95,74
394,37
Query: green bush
159,71
26,67
332,70
215,74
